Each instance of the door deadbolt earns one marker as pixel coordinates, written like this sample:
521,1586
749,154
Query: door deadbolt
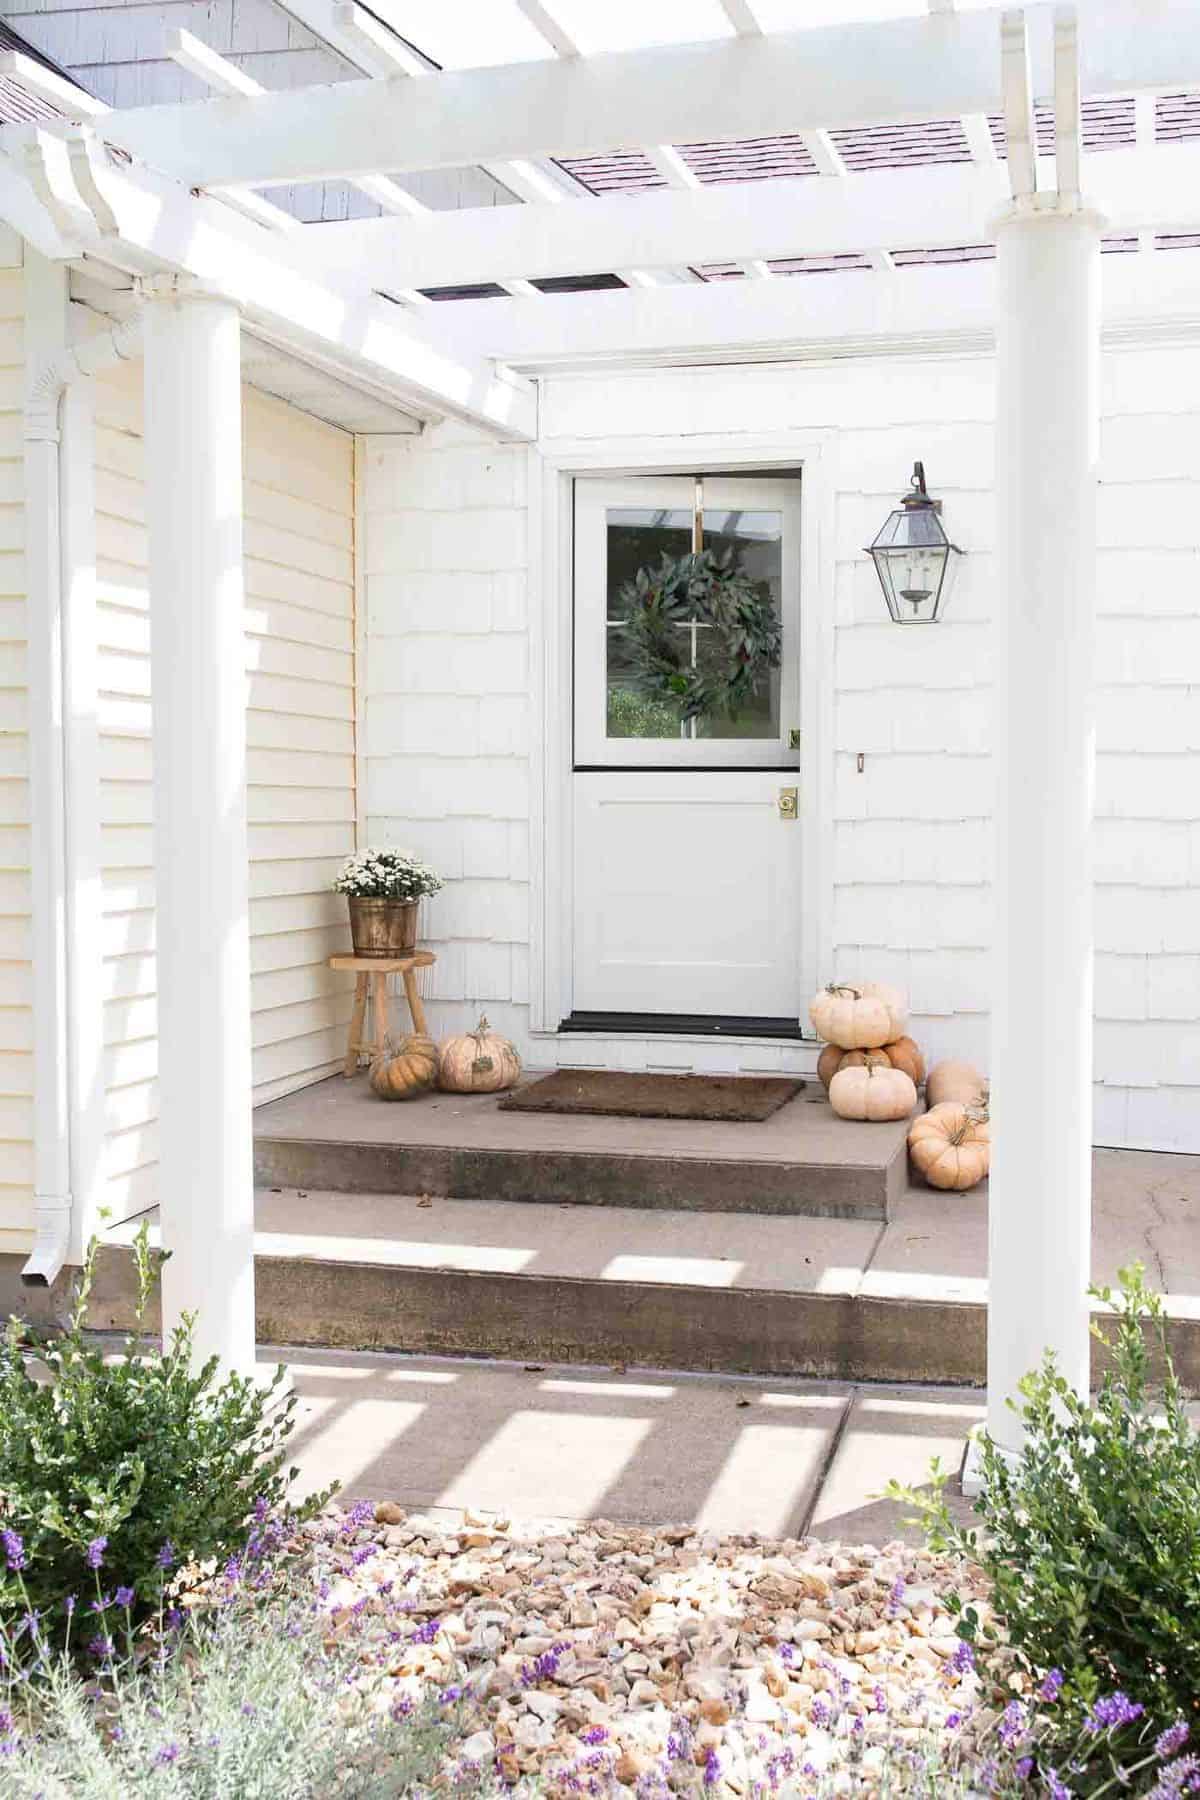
789,799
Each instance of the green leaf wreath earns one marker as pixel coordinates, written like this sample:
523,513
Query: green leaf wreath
744,643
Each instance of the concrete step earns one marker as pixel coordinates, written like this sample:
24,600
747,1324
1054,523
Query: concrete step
801,1162
846,1300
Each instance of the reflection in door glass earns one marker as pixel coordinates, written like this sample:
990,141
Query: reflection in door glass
639,537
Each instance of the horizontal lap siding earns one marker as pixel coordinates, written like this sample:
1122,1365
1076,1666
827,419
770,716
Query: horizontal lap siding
911,883
16,1018
298,541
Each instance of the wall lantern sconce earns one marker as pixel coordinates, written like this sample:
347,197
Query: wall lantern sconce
914,559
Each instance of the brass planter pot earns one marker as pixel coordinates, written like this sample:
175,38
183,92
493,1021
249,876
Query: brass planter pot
383,927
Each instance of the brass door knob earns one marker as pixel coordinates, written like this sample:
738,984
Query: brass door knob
789,802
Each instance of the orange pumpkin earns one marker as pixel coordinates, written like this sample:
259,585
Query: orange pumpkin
901,1053
400,1072
905,1053
951,1146
872,1092
954,1080
478,1062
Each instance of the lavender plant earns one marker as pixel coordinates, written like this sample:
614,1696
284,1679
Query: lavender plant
257,1690
1091,1539
114,1457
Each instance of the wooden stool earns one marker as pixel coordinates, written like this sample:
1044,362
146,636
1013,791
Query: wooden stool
371,985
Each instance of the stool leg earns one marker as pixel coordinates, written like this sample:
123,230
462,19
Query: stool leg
414,1002
354,1040
381,1011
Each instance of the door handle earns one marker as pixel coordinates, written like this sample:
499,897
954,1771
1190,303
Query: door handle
789,803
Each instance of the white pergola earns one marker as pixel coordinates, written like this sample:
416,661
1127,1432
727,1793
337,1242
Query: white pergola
173,197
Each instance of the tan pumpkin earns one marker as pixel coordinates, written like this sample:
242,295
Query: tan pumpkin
905,1053
478,1062
859,1015
954,1080
402,1071
951,1146
872,1092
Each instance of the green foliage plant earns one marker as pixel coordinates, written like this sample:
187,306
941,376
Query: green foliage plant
127,1463
743,633
1091,1538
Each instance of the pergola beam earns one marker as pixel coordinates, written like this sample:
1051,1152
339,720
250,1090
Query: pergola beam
917,310
830,77
928,208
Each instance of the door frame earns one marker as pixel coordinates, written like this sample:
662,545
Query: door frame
552,471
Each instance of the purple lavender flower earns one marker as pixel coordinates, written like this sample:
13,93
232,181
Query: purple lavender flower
1179,1777
1023,1768
1056,1789
125,1597
6,1722
896,1596
712,1767
261,1508
953,1721
14,1549
820,1711
101,1646
449,1695
174,1618
596,1734
69,1605
1111,1711
1171,1740
963,1660
1051,1686
881,1705
1012,1724
233,1571
248,1711
166,1557
425,1634
93,1556
363,1554
164,1757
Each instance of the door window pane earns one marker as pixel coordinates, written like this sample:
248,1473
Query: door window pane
638,537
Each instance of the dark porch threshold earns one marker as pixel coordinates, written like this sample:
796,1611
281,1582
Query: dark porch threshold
683,1024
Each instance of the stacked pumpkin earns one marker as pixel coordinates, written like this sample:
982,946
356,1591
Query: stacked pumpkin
951,1145
870,1067
477,1062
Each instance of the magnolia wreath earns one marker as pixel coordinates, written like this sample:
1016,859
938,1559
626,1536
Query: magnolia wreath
742,632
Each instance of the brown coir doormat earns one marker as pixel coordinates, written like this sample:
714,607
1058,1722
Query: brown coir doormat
744,1099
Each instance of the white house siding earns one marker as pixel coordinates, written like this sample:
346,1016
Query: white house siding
299,551
16,1019
447,684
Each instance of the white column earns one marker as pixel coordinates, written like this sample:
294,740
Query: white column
1047,446
194,497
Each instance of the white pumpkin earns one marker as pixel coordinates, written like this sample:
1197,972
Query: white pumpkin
862,1015
478,1062
951,1079
872,1092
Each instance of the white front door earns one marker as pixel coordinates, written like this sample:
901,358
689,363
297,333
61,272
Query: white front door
686,839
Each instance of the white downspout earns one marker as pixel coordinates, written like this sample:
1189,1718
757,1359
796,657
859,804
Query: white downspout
65,901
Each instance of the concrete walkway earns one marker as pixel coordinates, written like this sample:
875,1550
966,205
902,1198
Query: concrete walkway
730,1455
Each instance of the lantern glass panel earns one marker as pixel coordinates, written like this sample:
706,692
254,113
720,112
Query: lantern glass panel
913,558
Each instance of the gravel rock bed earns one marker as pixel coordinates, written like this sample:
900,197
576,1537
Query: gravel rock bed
595,1643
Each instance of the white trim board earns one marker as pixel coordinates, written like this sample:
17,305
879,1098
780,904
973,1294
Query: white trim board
552,470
